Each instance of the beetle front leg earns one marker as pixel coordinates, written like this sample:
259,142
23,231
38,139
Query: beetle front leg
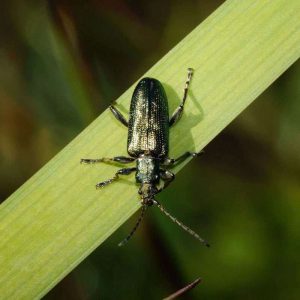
118,115
125,171
167,177
170,162
179,110
118,159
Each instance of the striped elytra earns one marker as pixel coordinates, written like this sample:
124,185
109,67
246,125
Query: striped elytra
148,120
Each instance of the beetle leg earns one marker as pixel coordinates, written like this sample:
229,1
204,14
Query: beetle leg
118,159
118,115
171,161
125,171
167,177
178,112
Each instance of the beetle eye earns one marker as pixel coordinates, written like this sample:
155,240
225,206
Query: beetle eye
149,202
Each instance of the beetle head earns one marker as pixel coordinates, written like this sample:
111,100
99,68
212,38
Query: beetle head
147,192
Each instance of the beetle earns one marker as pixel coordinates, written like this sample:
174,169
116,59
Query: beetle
148,145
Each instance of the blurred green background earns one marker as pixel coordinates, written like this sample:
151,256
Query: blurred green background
63,62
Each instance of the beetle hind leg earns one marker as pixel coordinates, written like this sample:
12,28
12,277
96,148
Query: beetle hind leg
179,110
125,171
118,115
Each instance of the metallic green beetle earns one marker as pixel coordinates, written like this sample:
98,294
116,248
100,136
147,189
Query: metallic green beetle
148,145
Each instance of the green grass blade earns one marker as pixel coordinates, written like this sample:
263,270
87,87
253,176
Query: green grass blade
57,218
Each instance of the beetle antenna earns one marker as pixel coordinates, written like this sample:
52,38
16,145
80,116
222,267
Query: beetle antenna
122,243
184,227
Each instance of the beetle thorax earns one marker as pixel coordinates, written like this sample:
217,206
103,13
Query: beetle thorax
147,169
